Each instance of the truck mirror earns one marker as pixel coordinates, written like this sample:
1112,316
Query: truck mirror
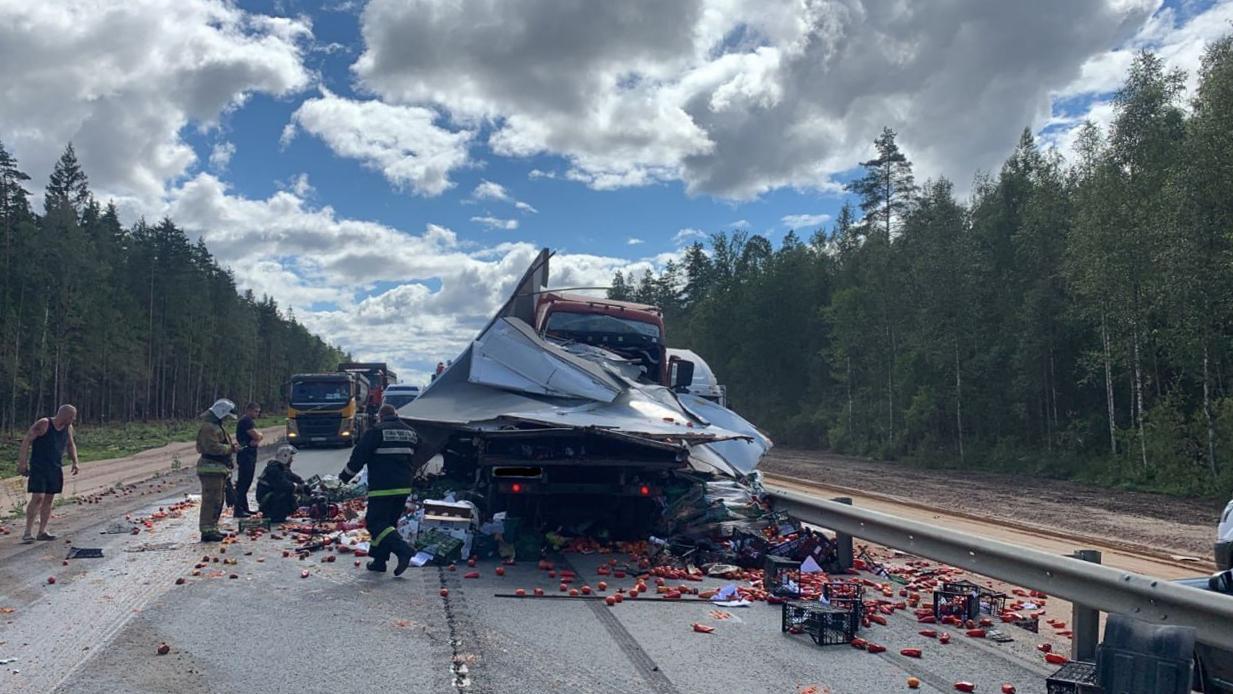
682,374
1222,582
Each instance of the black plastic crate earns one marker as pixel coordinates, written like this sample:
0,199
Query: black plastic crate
967,600
779,573
827,625
1076,677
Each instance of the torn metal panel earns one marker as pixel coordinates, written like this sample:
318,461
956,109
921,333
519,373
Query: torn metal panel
510,355
511,378
742,454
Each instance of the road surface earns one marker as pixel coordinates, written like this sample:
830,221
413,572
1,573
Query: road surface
269,630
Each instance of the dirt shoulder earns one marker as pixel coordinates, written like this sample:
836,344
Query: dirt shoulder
1168,524
100,475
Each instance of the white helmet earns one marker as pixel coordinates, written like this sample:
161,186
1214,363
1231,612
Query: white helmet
285,454
223,408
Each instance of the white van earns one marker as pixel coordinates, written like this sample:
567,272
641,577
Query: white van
399,394
704,384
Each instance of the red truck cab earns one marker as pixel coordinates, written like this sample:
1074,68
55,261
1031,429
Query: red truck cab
632,330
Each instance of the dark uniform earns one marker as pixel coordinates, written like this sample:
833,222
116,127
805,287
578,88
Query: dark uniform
245,463
47,460
213,469
387,450
276,490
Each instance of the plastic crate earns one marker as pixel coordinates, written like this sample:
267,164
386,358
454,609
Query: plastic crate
967,600
779,572
827,625
1076,677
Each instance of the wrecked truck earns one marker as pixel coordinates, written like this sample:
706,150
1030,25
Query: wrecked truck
568,407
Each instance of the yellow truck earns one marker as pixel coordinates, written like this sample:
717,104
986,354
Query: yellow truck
326,409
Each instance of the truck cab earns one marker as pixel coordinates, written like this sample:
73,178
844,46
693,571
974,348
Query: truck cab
326,408
632,330
378,376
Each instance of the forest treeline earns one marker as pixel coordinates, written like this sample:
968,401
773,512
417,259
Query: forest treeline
127,323
1071,318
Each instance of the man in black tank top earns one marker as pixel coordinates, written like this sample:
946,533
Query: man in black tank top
46,443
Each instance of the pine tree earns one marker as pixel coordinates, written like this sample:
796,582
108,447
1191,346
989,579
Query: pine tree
68,185
887,189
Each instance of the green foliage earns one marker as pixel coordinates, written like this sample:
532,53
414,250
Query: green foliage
1070,321
129,325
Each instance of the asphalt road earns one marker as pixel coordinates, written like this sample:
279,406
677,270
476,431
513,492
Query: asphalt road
344,629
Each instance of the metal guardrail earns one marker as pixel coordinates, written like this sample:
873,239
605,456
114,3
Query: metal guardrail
1082,582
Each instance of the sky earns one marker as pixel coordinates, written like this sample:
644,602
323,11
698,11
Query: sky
387,169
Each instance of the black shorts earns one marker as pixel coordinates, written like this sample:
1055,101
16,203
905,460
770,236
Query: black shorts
45,479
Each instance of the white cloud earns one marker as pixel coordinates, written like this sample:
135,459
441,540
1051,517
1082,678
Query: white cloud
738,97
739,225
496,222
220,155
538,173
632,241
495,192
804,221
122,81
487,190
402,142
689,235
339,260
298,185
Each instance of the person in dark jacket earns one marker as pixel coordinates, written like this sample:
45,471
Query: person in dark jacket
387,449
278,486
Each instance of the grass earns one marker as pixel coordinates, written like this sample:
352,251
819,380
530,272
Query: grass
99,442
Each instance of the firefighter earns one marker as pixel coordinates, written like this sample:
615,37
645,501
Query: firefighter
214,466
278,486
387,450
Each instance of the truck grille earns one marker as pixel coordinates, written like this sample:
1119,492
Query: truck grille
311,425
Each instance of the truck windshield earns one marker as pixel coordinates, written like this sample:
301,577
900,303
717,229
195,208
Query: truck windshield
568,324
320,392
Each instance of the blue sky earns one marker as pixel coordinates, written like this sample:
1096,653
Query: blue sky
386,168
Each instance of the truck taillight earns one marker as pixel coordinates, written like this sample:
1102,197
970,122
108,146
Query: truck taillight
644,490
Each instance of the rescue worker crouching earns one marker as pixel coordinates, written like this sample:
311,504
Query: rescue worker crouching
278,486
214,466
387,449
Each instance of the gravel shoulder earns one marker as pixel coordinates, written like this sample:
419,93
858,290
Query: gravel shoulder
1184,527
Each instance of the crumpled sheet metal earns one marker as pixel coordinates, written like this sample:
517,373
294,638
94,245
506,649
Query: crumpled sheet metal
510,374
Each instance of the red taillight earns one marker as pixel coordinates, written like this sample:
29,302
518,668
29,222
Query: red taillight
516,488
644,490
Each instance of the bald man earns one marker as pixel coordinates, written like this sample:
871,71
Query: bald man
46,442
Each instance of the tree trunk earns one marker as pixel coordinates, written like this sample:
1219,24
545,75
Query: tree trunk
1134,329
959,403
849,382
1207,413
21,301
1104,335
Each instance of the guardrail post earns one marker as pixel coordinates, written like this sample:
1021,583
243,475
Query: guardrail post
1085,621
843,541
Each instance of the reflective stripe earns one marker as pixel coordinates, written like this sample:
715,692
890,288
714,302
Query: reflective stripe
389,492
395,451
382,536
349,471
